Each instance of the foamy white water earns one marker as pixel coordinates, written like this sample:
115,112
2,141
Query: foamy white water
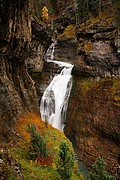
54,102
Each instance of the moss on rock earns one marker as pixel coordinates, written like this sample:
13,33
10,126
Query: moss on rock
108,16
68,34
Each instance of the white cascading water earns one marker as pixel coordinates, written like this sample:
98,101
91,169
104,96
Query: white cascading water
54,102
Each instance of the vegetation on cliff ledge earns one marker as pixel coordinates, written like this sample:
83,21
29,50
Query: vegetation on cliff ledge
38,152
107,19
69,33
113,84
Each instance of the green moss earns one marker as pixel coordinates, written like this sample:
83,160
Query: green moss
32,172
111,84
11,174
69,33
87,84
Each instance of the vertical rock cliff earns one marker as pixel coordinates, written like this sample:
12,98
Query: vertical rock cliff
93,118
17,91
89,41
93,121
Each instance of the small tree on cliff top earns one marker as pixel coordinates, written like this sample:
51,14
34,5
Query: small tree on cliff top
45,15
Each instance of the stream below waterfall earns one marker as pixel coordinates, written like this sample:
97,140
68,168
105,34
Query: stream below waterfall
54,102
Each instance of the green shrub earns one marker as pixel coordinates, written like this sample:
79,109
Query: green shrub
37,143
99,171
66,162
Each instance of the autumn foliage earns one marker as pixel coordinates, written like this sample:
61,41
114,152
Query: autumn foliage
31,128
45,15
30,119
47,161
38,146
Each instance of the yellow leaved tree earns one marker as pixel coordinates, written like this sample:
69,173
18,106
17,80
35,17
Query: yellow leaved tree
45,15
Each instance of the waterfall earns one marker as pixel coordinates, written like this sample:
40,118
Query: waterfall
54,102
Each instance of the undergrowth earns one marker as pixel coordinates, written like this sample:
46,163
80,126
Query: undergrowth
38,149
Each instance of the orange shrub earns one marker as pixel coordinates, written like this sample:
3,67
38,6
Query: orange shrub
22,127
30,119
44,161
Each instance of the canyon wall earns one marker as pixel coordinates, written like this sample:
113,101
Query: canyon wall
92,46
17,90
94,108
93,119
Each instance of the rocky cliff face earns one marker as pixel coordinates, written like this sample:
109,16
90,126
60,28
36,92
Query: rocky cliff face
94,108
42,38
93,120
17,90
94,49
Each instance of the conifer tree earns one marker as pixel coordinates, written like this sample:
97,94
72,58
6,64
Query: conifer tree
37,143
100,172
66,162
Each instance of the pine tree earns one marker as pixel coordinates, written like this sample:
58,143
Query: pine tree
66,162
100,172
37,143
